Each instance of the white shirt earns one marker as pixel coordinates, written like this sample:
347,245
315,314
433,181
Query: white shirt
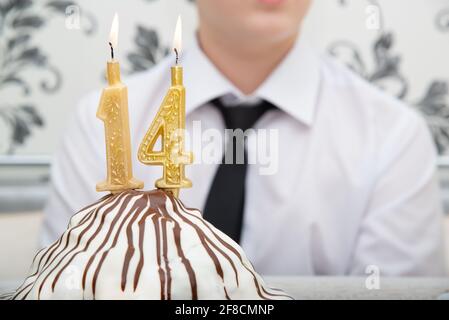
355,186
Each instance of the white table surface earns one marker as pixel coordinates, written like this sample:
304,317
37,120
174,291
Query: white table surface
344,288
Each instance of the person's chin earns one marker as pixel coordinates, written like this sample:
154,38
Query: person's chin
271,4
271,26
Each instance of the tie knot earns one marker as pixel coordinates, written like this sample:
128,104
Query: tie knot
242,117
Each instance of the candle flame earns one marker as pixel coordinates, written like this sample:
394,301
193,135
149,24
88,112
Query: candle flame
113,36
177,40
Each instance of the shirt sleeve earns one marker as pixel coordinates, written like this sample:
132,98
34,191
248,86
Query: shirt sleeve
78,165
401,232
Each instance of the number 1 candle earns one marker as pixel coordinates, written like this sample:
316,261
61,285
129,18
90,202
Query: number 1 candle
169,126
113,111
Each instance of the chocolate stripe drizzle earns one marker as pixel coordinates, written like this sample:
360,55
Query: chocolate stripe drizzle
49,253
136,226
131,249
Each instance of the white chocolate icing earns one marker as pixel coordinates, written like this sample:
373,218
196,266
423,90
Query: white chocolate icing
143,245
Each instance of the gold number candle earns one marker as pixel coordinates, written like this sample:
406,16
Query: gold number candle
169,126
113,111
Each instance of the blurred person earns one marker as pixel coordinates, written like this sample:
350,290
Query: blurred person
355,185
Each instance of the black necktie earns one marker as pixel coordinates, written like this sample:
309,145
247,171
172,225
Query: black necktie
226,199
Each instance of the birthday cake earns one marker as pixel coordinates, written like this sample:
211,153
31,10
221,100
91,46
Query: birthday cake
143,245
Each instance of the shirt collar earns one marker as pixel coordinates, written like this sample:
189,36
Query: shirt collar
293,86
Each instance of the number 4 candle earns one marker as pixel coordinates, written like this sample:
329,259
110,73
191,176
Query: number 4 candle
113,111
169,126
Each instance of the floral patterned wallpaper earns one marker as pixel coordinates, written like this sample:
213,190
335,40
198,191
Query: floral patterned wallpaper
22,20
387,74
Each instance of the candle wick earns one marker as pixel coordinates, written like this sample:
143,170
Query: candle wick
177,55
112,50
